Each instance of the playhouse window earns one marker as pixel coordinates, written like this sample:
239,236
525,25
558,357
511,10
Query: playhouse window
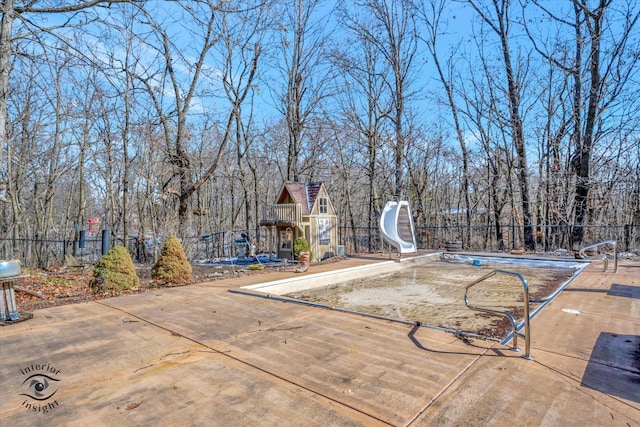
324,231
323,205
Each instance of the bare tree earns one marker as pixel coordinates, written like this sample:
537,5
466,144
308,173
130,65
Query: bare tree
601,68
390,27
242,47
38,147
432,15
479,101
123,85
12,11
607,77
304,74
365,100
151,116
209,31
24,13
498,18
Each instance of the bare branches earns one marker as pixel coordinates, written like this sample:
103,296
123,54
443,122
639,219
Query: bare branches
489,113
74,7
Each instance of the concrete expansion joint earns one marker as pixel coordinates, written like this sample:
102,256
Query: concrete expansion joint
447,387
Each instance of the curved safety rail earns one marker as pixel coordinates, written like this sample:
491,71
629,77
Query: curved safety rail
605,259
516,334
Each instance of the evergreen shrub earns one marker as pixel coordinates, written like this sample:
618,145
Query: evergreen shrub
172,267
115,271
300,245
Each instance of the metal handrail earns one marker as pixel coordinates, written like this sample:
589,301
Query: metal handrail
605,259
527,326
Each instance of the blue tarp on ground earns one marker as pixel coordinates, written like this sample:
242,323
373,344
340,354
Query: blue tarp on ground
261,259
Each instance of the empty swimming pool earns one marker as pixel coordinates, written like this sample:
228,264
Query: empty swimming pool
430,290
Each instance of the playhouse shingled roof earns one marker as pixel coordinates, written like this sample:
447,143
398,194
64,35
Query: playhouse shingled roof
303,193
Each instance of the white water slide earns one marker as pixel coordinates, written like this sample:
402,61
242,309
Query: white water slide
396,226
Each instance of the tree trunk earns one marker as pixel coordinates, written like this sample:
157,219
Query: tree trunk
6,26
501,28
582,157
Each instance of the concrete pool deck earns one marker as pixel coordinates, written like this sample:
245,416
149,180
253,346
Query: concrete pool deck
200,355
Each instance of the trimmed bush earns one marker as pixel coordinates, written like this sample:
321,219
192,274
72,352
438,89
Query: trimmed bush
172,266
300,245
115,271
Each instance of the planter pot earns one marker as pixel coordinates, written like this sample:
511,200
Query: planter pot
453,245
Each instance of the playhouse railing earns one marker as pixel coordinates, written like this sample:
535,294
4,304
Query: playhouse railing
290,213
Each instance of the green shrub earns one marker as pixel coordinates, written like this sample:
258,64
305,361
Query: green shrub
115,271
172,266
300,245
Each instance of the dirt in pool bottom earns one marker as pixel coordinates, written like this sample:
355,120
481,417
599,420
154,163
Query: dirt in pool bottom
433,294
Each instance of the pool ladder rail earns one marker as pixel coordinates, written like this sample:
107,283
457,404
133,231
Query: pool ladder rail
583,255
527,328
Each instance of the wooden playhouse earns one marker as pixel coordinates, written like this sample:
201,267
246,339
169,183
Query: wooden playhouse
301,210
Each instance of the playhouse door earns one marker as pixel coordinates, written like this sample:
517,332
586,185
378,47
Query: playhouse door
286,244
